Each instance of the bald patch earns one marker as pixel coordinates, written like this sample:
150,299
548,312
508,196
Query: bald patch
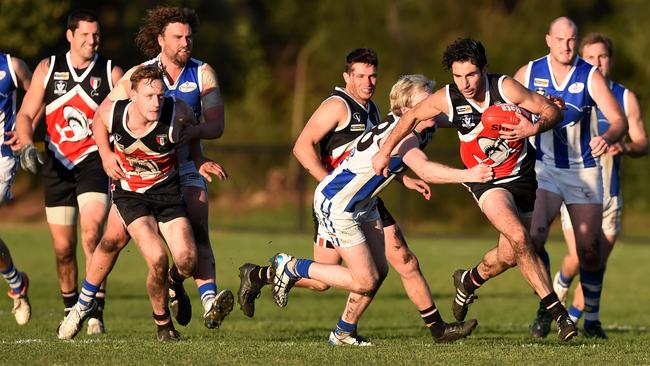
562,23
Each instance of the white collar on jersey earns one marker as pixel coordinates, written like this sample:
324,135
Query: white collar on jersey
75,77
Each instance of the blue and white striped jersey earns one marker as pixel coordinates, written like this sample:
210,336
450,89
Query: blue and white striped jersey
567,145
612,172
8,85
354,184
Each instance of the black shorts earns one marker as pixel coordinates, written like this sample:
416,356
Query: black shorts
523,191
385,216
62,185
164,207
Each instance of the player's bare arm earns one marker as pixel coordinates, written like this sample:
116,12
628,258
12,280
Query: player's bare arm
437,173
607,103
326,118
429,108
520,75
549,113
638,137
110,161
24,79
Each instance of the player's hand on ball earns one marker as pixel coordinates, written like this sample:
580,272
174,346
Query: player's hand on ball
30,159
479,173
521,130
210,167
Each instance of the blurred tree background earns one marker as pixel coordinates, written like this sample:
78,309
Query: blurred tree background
278,59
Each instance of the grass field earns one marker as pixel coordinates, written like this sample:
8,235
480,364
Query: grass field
298,333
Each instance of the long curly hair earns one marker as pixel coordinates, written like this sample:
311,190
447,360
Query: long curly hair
155,22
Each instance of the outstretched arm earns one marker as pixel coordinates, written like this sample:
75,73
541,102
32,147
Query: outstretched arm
607,104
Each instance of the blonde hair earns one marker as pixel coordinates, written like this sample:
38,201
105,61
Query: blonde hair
408,85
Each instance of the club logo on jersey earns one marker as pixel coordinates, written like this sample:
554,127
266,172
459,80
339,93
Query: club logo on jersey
187,87
2,74
78,127
463,109
60,87
117,137
540,91
467,122
145,168
356,116
95,82
61,75
540,82
161,139
576,87
496,151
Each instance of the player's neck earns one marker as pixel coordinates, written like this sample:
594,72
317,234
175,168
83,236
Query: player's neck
136,122
560,70
79,62
172,70
362,101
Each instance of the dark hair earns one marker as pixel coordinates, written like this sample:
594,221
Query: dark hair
155,22
361,55
593,38
80,15
465,49
147,72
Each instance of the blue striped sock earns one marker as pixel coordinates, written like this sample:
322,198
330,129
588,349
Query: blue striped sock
343,327
302,267
207,291
592,283
13,278
575,314
565,281
88,291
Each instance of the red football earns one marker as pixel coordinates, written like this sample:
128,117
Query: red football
496,115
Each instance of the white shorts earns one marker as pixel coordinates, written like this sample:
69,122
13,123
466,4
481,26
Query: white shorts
575,186
612,213
344,230
8,168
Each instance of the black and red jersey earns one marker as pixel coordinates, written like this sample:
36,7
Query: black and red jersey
509,159
149,161
71,98
336,145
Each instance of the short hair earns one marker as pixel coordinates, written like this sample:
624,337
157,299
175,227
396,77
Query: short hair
361,55
146,72
155,22
402,92
79,15
593,38
465,49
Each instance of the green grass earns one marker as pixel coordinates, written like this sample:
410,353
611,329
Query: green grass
298,333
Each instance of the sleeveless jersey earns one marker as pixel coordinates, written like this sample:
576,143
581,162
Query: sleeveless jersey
566,146
8,85
336,145
509,159
187,87
70,103
149,161
612,171
353,182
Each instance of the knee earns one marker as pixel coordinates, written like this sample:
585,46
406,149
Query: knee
112,244
65,255
404,261
591,257
368,286
538,236
90,236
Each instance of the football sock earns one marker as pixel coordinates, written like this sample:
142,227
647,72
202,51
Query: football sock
14,279
575,314
553,305
433,321
207,291
302,267
88,291
174,276
344,328
163,321
565,281
69,299
260,276
472,280
592,283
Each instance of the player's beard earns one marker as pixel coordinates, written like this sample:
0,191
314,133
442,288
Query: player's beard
181,58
